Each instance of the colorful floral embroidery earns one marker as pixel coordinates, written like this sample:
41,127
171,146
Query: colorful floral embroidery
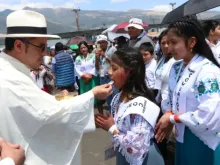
208,86
217,134
176,68
196,123
133,141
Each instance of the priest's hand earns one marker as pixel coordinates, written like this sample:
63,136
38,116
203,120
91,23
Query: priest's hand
104,122
64,92
163,127
102,92
15,152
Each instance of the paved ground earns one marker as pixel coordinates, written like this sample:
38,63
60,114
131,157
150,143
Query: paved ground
93,147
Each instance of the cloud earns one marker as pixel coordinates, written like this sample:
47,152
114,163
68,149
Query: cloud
118,1
162,8
25,3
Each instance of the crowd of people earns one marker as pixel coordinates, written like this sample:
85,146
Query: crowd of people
154,91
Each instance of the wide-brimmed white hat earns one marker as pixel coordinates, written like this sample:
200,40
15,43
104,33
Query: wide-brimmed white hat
26,23
102,38
136,23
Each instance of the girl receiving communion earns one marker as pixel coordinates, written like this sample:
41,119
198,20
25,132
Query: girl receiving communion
134,113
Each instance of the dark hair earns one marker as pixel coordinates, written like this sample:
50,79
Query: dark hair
131,60
65,47
147,46
90,49
122,42
83,43
188,27
162,34
59,47
9,44
210,25
160,52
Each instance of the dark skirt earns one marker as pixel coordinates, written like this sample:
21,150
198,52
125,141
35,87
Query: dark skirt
193,151
153,157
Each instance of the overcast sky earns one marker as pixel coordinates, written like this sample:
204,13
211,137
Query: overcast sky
159,5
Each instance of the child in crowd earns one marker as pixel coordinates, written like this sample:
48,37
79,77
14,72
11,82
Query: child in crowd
147,51
134,113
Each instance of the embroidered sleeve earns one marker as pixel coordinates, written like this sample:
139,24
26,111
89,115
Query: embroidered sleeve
135,143
167,103
205,120
78,64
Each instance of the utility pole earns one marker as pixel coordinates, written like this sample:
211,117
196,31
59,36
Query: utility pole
153,20
173,5
76,11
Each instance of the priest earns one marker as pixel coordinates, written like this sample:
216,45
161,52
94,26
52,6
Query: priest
49,130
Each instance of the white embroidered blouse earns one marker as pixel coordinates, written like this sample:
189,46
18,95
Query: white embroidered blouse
85,65
195,97
135,135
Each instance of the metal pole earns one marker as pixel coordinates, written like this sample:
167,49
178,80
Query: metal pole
76,11
173,5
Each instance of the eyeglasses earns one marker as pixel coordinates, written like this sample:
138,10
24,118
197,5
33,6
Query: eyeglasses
42,47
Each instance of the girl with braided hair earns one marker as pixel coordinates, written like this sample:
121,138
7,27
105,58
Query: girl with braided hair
134,113
193,105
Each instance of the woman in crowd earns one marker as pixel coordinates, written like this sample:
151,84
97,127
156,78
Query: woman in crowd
163,70
85,69
194,99
134,112
161,80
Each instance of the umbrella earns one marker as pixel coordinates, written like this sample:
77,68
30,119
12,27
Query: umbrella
77,40
198,6
174,15
121,27
153,34
109,29
74,47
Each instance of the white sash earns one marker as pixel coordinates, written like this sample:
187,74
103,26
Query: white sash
182,87
139,106
162,70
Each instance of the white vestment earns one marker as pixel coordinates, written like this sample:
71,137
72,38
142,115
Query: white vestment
49,130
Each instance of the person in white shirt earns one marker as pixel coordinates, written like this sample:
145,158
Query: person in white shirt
49,130
103,61
11,154
211,30
193,105
162,77
163,69
147,51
